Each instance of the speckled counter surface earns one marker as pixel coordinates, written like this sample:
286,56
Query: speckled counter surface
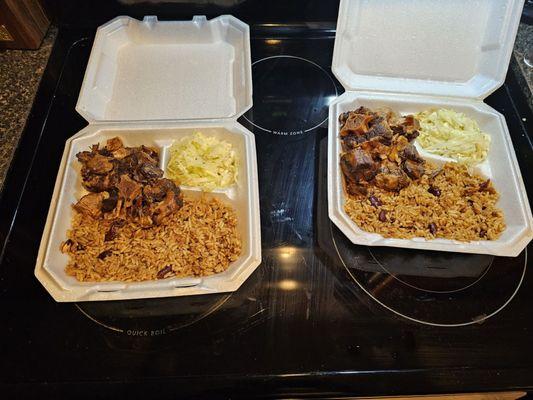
21,71
20,74
523,72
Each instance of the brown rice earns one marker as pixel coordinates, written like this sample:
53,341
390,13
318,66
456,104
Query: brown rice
461,212
198,240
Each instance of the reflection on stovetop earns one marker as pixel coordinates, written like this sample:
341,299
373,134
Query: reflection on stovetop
291,95
434,288
150,324
301,313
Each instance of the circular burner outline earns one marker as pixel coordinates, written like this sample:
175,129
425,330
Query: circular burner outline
302,59
426,290
477,321
170,327
89,316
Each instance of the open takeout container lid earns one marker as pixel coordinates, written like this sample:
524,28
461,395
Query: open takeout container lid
452,48
154,70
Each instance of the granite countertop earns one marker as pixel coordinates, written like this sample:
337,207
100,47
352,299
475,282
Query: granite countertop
21,71
20,74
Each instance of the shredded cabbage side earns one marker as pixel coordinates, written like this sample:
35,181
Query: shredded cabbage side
452,134
202,161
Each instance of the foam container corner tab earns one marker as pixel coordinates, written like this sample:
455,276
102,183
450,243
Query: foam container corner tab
430,54
153,82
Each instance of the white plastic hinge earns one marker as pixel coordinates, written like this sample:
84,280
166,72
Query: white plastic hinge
199,20
150,21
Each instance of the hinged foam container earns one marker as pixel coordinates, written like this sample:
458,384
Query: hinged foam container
153,82
411,55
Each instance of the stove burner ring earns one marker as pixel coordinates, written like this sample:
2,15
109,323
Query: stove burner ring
480,319
96,321
395,276
167,328
319,79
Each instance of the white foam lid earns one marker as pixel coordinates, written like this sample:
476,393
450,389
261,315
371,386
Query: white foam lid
168,70
455,48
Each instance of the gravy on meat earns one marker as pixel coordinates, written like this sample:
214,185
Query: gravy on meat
377,149
126,182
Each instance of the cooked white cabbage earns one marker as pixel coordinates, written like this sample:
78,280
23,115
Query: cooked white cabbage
452,134
203,161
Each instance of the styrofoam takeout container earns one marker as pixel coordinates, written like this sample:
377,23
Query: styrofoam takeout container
152,82
412,55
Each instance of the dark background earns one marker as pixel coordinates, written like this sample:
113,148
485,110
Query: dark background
94,13
86,13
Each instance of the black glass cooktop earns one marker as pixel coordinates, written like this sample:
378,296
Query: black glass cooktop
320,316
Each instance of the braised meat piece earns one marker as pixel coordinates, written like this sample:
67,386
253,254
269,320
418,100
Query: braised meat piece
169,205
150,203
349,143
91,204
354,188
364,125
413,164
98,169
387,114
398,145
390,177
153,153
407,126
121,153
410,152
141,165
128,190
343,117
154,192
126,182
157,189
128,164
99,183
380,129
114,144
356,125
377,149
97,164
358,165
150,171
84,156
146,156
141,212
413,169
